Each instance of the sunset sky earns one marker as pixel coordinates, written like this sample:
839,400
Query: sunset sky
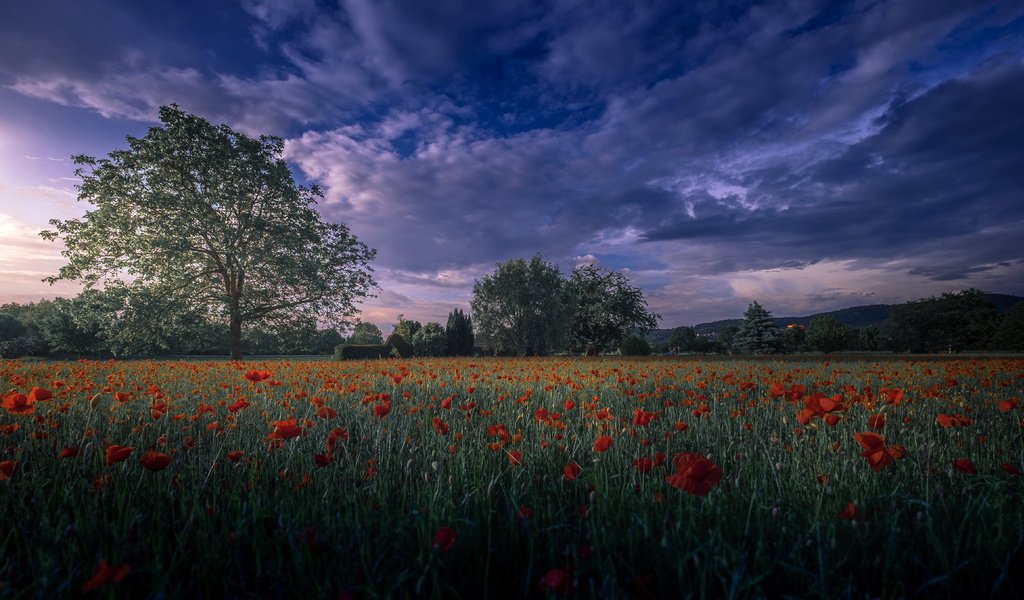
808,155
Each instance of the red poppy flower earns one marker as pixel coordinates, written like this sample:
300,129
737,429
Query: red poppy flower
515,458
643,465
602,443
106,574
571,471
694,474
439,426
155,461
381,410
285,430
70,452
39,394
444,539
116,454
7,469
321,460
556,581
849,513
18,404
257,376
1010,469
237,406
235,455
876,421
326,412
964,465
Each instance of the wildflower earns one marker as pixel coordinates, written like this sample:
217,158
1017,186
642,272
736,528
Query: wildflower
116,454
694,474
155,461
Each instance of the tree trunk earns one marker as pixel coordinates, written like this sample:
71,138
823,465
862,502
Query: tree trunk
235,335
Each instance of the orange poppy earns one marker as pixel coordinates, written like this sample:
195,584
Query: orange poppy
155,461
39,394
116,454
18,404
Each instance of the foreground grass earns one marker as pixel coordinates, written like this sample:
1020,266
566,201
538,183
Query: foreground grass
275,523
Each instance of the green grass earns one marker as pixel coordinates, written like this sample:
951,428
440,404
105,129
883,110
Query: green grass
210,527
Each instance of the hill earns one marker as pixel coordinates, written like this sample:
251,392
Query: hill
854,316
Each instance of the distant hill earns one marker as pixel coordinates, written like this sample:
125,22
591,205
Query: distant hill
855,316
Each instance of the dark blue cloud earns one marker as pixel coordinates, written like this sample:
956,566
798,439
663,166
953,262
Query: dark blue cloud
685,142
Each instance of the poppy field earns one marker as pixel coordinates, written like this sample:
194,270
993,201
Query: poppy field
603,478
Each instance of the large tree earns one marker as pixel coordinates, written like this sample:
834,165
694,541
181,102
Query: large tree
827,334
522,308
757,333
605,309
459,334
211,215
365,333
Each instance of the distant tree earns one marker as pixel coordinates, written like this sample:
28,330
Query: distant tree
683,339
726,337
634,345
71,327
870,338
826,334
794,338
365,333
1009,334
327,340
213,217
757,333
459,334
522,308
430,340
955,321
605,308
406,328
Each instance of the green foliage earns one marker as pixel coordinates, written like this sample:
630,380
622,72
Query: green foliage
726,338
406,328
459,334
523,308
398,343
794,338
365,333
430,340
827,335
362,351
604,308
955,321
634,345
213,217
757,333
1009,335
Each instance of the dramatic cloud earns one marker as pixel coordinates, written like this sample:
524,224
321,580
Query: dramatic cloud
808,154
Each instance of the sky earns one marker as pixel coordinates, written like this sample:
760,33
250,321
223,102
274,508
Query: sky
809,155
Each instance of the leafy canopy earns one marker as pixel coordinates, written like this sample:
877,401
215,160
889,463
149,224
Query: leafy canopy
212,216
605,309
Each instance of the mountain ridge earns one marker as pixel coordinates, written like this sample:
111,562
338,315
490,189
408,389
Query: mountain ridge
852,316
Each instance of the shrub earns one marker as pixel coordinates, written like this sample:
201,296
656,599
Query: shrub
361,351
634,346
397,342
430,340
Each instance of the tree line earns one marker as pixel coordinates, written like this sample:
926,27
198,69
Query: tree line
952,322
